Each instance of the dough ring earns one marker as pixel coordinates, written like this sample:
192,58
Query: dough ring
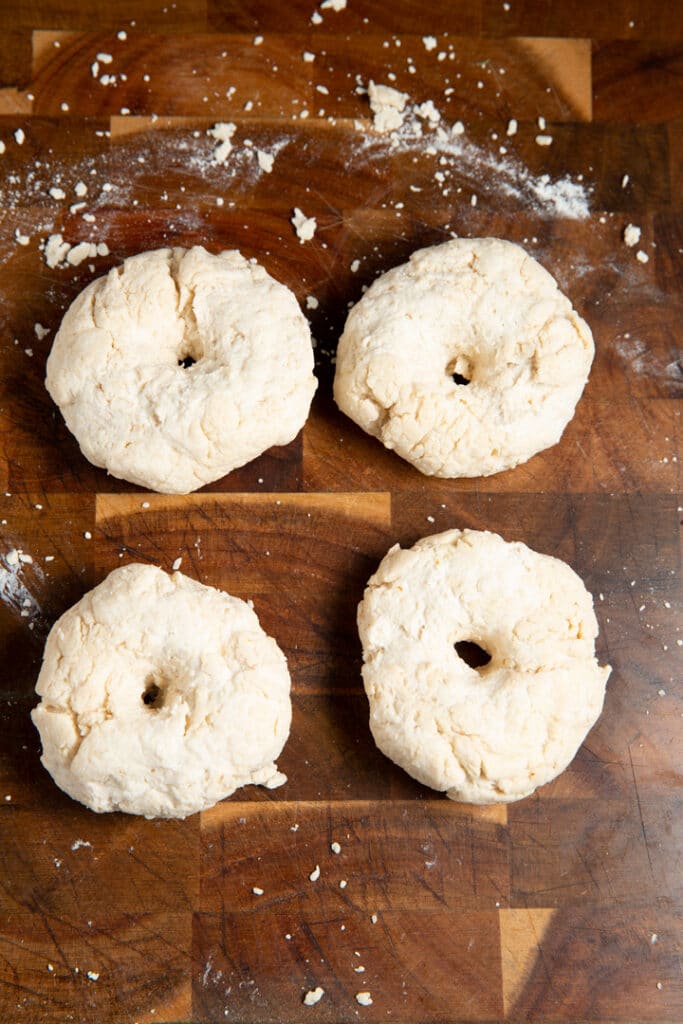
466,360
179,366
495,733
160,696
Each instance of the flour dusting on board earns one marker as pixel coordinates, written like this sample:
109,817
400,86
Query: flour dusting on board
421,130
13,590
201,167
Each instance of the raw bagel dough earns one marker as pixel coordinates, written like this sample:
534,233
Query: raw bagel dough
484,735
481,308
218,690
115,373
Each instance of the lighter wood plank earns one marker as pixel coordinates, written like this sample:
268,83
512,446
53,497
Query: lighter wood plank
371,506
230,811
45,43
521,937
15,101
567,64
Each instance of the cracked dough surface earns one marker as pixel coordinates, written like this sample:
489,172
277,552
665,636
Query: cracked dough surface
492,734
218,687
114,367
481,308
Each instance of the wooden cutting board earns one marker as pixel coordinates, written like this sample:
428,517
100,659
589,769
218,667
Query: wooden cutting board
565,907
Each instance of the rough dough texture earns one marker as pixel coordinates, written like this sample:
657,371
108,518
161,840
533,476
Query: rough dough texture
219,719
114,367
492,734
481,308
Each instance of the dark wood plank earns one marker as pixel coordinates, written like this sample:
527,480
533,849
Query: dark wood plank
637,82
439,965
458,16
115,15
622,19
277,846
600,964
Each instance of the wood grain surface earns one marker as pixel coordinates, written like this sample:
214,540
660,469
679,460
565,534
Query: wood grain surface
563,908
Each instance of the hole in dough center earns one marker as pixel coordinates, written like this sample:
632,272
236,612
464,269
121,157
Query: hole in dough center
187,362
472,654
460,370
153,695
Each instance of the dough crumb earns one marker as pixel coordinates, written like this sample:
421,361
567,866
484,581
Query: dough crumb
304,226
222,132
333,5
178,562
257,890
364,998
315,874
311,302
308,56
642,257
631,235
92,975
387,106
544,140
428,112
314,996
429,43
335,847
265,160
512,127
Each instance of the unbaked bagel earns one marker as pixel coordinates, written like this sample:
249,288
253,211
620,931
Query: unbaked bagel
467,360
490,734
179,366
160,696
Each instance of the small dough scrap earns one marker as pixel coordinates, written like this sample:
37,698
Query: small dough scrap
490,734
179,366
466,361
160,696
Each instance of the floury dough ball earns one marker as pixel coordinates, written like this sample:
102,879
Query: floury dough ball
466,361
179,366
490,734
160,696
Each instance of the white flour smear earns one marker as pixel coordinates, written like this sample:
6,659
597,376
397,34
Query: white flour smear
639,358
15,594
118,178
485,171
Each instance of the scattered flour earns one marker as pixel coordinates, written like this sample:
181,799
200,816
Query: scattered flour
222,133
314,996
265,160
473,164
387,106
631,235
304,226
59,253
